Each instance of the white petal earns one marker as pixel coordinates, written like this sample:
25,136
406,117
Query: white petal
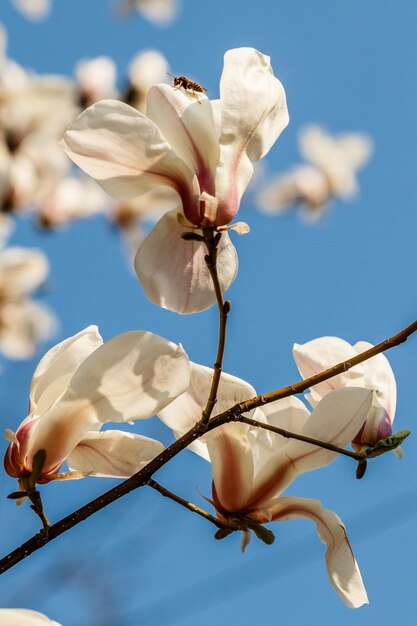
288,413
96,77
129,377
341,565
253,115
34,9
23,325
189,128
357,148
132,376
126,152
113,453
160,12
21,271
378,375
231,458
336,420
324,151
303,184
173,272
146,69
24,617
182,414
55,370
320,354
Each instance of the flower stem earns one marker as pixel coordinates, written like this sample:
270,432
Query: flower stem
212,241
191,507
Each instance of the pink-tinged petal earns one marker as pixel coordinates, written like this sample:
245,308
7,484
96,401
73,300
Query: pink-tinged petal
378,375
173,272
318,355
189,128
113,453
253,115
55,370
336,420
126,153
232,465
341,565
377,426
182,414
132,376
24,617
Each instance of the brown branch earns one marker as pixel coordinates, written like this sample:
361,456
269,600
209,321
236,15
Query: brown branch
192,507
358,456
212,241
142,477
305,384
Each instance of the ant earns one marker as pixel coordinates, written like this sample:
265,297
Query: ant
182,82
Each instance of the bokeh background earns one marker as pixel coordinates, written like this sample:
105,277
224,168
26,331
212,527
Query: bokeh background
144,560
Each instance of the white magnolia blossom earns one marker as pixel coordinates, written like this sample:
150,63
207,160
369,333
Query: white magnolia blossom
159,12
202,149
252,467
375,374
72,198
23,322
148,68
331,173
33,9
34,112
24,617
83,383
96,79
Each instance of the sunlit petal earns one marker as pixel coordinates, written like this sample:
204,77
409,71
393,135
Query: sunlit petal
126,152
341,565
173,272
113,453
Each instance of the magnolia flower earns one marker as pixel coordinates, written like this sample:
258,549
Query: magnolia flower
146,69
81,384
159,12
202,149
24,617
33,9
330,174
73,198
96,79
252,467
375,374
23,322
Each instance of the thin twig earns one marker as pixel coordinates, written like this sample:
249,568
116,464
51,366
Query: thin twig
192,507
212,241
358,456
142,477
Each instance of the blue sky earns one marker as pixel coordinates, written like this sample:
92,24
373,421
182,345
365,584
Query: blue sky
348,66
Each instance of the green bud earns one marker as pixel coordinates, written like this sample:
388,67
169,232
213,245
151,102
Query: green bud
387,444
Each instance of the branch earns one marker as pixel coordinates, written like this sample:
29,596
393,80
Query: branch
192,507
212,241
233,414
358,456
303,385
